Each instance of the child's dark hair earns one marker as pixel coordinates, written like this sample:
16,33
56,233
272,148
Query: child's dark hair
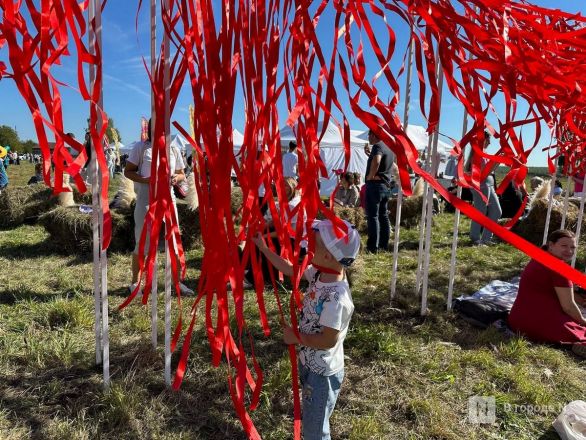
349,177
557,235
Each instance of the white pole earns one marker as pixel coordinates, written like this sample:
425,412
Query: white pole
400,189
548,216
102,262
579,226
95,216
566,202
434,168
166,80
423,224
456,230
154,292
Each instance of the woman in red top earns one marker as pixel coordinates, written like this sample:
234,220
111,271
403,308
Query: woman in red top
545,309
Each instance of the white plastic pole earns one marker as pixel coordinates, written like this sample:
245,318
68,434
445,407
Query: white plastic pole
579,226
101,263
167,116
456,230
423,224
95,216
429,221
400,189
566,202
550,204
154,293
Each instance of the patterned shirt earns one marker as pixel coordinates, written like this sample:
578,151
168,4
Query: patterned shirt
325,305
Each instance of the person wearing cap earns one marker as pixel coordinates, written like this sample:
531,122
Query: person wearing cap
290,161
323,322
378,191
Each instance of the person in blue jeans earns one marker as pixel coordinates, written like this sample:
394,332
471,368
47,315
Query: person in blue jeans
491,207
323,323
378,191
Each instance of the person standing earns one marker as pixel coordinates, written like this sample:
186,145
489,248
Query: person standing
491,208
323,322
290,161
378,191
138,169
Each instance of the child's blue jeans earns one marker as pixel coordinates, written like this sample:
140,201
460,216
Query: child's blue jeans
319,395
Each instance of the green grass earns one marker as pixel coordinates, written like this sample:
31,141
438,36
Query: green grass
407,377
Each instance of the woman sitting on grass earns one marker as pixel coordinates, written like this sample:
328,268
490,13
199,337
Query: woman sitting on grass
546,308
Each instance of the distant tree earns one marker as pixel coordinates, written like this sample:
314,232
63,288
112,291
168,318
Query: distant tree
108,130
9,136
27,146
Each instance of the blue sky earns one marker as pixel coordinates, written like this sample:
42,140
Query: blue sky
127,90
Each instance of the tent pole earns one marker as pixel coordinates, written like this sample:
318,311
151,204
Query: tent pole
396,237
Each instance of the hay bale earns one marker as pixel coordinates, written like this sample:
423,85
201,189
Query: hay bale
191,197
236,199
354,216
189,225
410,210
18,203
532,226
82,198
71,230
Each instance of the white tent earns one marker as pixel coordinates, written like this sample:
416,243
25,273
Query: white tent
420,139
332,153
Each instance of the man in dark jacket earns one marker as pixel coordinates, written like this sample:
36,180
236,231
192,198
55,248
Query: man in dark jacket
378,191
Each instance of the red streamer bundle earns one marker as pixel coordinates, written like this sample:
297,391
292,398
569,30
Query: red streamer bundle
487,50
35,44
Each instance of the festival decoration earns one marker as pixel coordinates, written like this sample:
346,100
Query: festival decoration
484,51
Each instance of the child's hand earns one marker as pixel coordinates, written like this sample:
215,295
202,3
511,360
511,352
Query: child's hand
258,240
289,336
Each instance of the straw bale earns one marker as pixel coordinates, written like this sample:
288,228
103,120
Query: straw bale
125,194
71,230
191,197
532,226
354,216
236,199
20,203
410,210
189,225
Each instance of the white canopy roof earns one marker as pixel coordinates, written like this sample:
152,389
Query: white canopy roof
332,153
332,136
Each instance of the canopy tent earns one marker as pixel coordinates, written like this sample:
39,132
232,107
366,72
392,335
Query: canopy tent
331,149
420,139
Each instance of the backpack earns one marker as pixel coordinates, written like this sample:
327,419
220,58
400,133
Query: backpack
479,312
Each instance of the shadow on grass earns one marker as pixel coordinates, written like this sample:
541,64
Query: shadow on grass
202,408
9,297
550,434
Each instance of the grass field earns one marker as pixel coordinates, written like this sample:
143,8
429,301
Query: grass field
407,377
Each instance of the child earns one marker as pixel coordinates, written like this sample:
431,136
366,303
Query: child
323,324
